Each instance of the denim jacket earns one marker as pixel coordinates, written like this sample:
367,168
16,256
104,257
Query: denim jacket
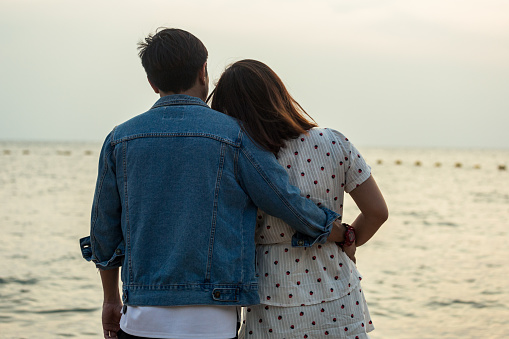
175,205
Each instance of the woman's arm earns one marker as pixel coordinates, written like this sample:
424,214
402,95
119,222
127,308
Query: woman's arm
373,209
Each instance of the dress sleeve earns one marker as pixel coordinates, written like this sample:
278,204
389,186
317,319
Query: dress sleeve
356,169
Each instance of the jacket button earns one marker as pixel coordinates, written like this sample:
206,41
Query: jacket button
300,242
217,294
118,251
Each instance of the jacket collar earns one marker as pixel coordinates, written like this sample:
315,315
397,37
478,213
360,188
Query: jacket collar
178,99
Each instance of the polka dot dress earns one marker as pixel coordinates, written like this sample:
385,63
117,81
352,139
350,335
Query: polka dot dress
310,292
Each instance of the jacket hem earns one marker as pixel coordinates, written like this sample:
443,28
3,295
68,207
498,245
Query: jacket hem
218,295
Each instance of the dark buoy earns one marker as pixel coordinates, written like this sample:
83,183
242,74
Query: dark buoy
64,152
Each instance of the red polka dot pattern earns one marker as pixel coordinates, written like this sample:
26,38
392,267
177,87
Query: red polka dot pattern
320,164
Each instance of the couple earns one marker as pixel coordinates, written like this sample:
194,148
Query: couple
184,192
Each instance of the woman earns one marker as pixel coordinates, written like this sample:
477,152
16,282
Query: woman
305,292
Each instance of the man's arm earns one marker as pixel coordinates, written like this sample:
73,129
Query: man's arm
267,184
111,303
106,239
105,246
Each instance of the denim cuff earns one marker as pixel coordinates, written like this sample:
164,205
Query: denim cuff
115,260
86,249
304,240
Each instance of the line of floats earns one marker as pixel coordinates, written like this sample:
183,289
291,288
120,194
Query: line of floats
59,152
417,163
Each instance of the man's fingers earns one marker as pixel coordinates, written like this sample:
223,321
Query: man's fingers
110,334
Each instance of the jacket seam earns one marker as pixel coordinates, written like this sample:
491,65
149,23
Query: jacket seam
173,135
275,190
236,172
190,286
214,213
177,103
98,197
126,204
113,136
236,157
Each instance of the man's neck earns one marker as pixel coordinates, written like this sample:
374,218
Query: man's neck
193,92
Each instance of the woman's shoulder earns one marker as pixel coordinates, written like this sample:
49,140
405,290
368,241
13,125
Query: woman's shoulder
318,139
328,134
318,136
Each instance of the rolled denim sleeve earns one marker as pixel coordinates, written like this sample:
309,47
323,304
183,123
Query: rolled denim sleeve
105,246
267,183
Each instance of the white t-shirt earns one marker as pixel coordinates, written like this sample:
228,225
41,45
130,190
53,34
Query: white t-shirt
178,322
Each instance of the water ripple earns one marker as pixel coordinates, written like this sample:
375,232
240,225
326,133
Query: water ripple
5,281
447,223
58,311
71,310
455,302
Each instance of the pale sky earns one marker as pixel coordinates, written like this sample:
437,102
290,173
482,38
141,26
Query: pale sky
410,73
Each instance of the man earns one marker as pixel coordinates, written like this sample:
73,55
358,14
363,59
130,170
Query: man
175,205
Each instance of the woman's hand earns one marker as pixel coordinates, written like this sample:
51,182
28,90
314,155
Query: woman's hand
350,252
338,236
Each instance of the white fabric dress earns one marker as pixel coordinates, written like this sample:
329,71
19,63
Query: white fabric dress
310,292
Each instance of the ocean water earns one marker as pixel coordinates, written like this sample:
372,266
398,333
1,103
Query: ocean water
438,268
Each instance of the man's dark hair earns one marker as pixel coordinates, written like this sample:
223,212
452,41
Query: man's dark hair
172,58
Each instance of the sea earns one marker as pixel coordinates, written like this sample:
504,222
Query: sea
438,268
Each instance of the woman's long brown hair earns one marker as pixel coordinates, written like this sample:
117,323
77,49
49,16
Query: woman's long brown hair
253,93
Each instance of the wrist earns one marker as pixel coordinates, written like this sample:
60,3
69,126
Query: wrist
348,236
112,300
337,232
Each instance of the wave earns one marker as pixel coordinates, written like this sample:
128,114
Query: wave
11,280
455,302
60,311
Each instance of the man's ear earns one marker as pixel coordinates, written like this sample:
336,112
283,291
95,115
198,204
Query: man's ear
203,76
154,87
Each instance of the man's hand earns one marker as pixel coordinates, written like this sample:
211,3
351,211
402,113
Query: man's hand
350,252
111,319
337,233
111,304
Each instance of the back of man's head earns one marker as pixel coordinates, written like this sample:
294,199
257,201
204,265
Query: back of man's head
172,59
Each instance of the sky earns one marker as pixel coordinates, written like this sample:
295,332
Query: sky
395,73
